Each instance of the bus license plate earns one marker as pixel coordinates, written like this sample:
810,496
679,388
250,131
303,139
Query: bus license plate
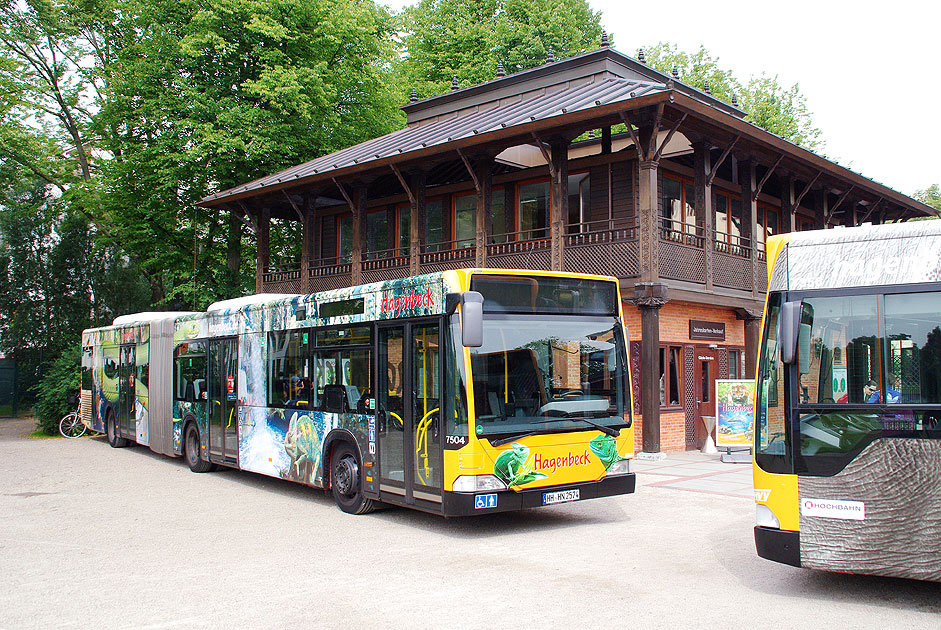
548,498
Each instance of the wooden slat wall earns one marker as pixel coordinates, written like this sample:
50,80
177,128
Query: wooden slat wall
622,191
328,235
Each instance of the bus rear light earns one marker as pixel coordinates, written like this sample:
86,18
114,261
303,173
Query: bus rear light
764,517
620,467
476,483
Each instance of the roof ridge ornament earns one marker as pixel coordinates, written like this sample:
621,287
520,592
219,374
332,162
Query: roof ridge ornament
604,38
414,97
734,100
640,56
454,83
675,72
550,57
706,88
501,71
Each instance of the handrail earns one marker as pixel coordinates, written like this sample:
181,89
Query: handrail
680,232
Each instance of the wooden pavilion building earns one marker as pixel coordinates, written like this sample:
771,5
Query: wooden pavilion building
597,163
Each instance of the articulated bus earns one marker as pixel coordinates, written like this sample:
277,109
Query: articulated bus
461,392
847,464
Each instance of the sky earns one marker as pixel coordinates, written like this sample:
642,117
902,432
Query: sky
862,66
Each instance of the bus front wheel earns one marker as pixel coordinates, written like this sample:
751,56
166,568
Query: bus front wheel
111,428
191,451
346,481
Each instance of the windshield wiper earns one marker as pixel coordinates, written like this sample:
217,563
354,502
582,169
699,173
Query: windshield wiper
603,428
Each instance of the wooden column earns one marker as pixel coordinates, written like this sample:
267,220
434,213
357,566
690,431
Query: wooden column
702,166
788,210
263,253
648,218
559,199
649,297
605,140
752,341
484,173
416,217
307,247
822,209
359,233
746,179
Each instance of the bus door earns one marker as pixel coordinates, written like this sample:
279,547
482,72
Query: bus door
706,370
408,412
127,425
223,400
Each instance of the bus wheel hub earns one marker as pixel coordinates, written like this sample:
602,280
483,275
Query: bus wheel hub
345,474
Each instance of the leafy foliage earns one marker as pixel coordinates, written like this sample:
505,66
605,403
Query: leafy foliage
52,396
781,110
468,38
930,196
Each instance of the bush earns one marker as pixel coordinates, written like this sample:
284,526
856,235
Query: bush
53,390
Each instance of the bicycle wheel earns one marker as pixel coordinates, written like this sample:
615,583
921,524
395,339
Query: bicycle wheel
71,426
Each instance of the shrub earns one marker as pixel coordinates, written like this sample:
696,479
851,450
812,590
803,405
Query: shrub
52,391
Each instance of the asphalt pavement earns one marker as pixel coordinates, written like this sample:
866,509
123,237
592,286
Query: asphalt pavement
92,536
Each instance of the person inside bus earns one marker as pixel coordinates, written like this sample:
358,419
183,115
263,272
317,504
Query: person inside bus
893,395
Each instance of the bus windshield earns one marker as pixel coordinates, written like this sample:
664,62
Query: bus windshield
538,373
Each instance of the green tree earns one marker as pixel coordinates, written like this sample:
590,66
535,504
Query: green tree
781,110
930,196
468,38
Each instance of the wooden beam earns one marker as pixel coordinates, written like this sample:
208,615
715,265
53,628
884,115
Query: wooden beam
545,154
470,170
806,190
715,167
248,215
837,204
240,217
408,190
658,116
871,210
630,129
767,176
349,201
293,205
669,137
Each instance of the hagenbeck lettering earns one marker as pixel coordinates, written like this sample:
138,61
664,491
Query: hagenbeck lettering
396,304
552,463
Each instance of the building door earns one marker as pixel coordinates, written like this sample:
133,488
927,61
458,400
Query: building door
408,412
706,370
223,400
127,426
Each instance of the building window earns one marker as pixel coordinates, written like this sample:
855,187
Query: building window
728,208
735,364
679,210
465,223
404,230
671,391
377,235
579,209
768,224
804,224
500,224
533,200
434,226
345,238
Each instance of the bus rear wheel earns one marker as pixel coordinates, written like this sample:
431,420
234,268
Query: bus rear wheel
191,450
111,428
346,481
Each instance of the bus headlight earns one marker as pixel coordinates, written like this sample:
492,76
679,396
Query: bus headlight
620,467
764,517
476,483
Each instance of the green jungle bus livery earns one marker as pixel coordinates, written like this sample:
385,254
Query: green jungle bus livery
460,392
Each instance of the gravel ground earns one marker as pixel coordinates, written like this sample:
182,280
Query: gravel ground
92,536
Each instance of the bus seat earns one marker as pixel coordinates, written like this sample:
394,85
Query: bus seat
496,405
190,395
334,398
352,397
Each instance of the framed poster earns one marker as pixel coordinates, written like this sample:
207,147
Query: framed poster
735,401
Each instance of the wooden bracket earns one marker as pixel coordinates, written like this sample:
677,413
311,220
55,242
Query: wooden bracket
545,154
764,180
470,170
630,130
247,219
343,192
408,191
666,141
871,210
715,167
300,215
806,190
842,198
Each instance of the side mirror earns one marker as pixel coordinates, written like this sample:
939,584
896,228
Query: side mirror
789,330
472,319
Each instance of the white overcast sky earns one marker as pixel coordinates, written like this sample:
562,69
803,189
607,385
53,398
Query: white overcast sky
870,70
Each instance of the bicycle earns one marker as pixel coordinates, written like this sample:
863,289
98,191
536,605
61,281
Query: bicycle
70,425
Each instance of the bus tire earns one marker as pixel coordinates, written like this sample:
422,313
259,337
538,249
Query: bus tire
191,450
111,429
346,481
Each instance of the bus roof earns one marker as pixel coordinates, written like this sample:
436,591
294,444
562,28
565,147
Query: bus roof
143,318
869,255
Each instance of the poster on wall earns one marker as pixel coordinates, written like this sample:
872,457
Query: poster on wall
735,400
